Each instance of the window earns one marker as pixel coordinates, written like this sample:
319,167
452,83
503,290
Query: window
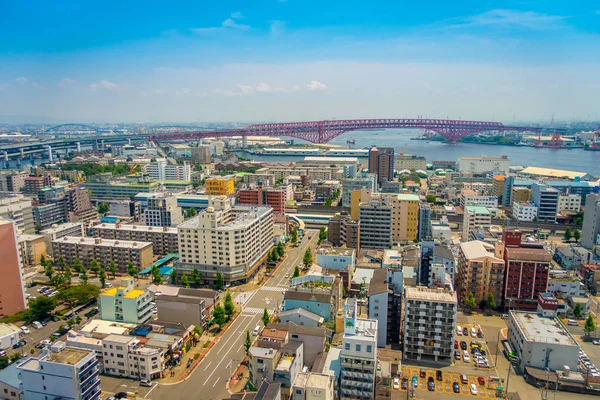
358,347
369,348
347,346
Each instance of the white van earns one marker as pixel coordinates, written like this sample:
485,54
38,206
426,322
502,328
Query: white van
459,330
256,330
572,322
473,332
36,325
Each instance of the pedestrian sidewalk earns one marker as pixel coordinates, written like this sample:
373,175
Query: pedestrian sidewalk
239,379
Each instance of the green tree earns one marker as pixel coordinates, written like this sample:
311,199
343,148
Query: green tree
576,235
102,277
568,235
280,249
192,212
185,282
131,269
112,268
156,278
42,260
229,306
322,234
4,362
577,310
307,260
67,275
265,317
431,198
219,315
296,272
491,303
15,357
219,280
49,270
102,208
94,266
61,263
41,307
470,301
80,294
294,235
83,277
247,342
196,278
57,280
77,265
173,277
590,325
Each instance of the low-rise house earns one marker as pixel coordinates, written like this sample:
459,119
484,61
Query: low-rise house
300,316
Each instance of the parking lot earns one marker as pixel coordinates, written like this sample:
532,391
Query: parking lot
488,390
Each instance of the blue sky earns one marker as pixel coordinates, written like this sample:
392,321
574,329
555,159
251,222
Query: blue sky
299,59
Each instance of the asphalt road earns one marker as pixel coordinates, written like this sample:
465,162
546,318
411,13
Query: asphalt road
208,381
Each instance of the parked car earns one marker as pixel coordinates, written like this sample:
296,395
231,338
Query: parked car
457,354
121,395
455,387
2,353
456,344
596,342
20,343
146,383
396,383
466,357
459,330
473,389
36,325
431,384
415,381
463,345
463,378
481,380
26,331
438,375
404,383
465,331
423,373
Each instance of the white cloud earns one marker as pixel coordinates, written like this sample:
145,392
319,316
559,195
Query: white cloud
508,18
108,84
266,88
277,27
66,82
263,87
230,23
316,85
93,86
236,15
22,79
184,90
245,88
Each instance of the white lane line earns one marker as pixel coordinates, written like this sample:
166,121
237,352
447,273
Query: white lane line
214,384
222,359
208,366
150,391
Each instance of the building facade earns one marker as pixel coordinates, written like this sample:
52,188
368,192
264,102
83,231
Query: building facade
546,199
17,208
569,202
481,165
524,211
429,323
163,171
381,162
376,224
479,272
220,186
473,218
12,294
590,233
234,240
125,303
164,239
162,210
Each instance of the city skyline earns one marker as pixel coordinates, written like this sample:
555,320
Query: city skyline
291,60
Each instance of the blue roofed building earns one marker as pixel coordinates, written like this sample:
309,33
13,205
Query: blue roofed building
10,382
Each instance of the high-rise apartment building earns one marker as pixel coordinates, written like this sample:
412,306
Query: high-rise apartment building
17,208
359,355
479,272
429,323
163,171
234,240
569,202
162,210
364,181
410,162
343,230
590,233
263,195
12,295
475,217
424,222
405,216
125,303
12,181
201,154
74,229
482,165
385,304
381,162
376,224
545,197
60,372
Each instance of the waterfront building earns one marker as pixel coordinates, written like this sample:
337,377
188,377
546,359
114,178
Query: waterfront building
410,162
482,165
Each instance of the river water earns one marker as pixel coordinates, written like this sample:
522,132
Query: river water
572,160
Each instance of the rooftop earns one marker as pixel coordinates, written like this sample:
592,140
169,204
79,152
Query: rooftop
307,296
124,227
7,329
483,158
528,254
86,241
262,352
274,333
438,295
477,210
557,173
477,249
541,329
119,338
61,227
134,294
378,283
10,375
299,311
408,197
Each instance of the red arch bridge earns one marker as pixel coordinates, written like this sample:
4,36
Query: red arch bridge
324,131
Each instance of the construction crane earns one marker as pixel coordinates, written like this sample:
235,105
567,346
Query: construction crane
403,149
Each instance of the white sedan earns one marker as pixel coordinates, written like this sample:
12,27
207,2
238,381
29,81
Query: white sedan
25,330
396,383
466,357
473,389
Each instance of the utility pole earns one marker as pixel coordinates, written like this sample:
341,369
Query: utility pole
497,343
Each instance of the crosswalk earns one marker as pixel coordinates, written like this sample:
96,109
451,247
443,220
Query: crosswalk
272,288
256,310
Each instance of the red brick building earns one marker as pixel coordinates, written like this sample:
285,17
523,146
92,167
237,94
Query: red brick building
260,196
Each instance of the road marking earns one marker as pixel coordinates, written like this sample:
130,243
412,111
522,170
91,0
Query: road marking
216,381
251,311
224,346
272,288
208,366
150,391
